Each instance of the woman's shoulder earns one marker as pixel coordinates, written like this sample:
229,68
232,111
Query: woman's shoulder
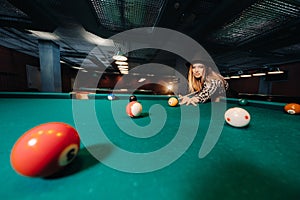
214,82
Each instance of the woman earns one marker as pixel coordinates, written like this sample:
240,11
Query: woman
204,84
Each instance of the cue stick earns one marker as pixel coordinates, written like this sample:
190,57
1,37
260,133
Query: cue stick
187,95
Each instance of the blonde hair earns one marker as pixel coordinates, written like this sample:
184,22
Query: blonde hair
196,84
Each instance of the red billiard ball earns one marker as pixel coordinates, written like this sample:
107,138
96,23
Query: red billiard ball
292,108
134,109
45,149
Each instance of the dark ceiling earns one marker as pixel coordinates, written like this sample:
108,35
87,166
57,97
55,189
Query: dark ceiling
238,34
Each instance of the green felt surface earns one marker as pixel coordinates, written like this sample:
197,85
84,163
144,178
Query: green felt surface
260,161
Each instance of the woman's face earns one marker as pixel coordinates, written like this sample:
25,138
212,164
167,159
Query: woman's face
198,70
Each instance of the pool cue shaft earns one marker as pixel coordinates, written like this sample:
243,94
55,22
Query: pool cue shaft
187,95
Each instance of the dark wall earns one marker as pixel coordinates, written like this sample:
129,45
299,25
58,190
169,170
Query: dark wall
243,85
284,85
13,69
13,75
289,87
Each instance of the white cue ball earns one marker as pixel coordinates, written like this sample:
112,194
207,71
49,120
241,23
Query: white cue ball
237,117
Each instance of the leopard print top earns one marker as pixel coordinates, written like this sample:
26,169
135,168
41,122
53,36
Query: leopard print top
212,90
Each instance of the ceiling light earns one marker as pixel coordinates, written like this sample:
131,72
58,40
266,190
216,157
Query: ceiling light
124,72
259,74
119,56
141,80
246,75
234,76
74,67
45,35
276,71
123,66
170,87
242,74
121,63
94,39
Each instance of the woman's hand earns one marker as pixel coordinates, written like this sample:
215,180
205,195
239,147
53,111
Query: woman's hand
193,100
183,99
187,100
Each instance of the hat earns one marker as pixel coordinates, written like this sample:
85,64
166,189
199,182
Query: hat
188,64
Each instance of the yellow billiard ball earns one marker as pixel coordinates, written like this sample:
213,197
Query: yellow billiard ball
173,101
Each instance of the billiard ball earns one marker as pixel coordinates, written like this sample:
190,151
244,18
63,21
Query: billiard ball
45,149
173,101
237,117
134,109
243,102
132,98
111,97
292,108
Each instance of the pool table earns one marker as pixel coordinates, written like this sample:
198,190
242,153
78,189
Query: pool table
181,152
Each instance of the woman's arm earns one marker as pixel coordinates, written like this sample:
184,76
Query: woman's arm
187,100
210,89
215,87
